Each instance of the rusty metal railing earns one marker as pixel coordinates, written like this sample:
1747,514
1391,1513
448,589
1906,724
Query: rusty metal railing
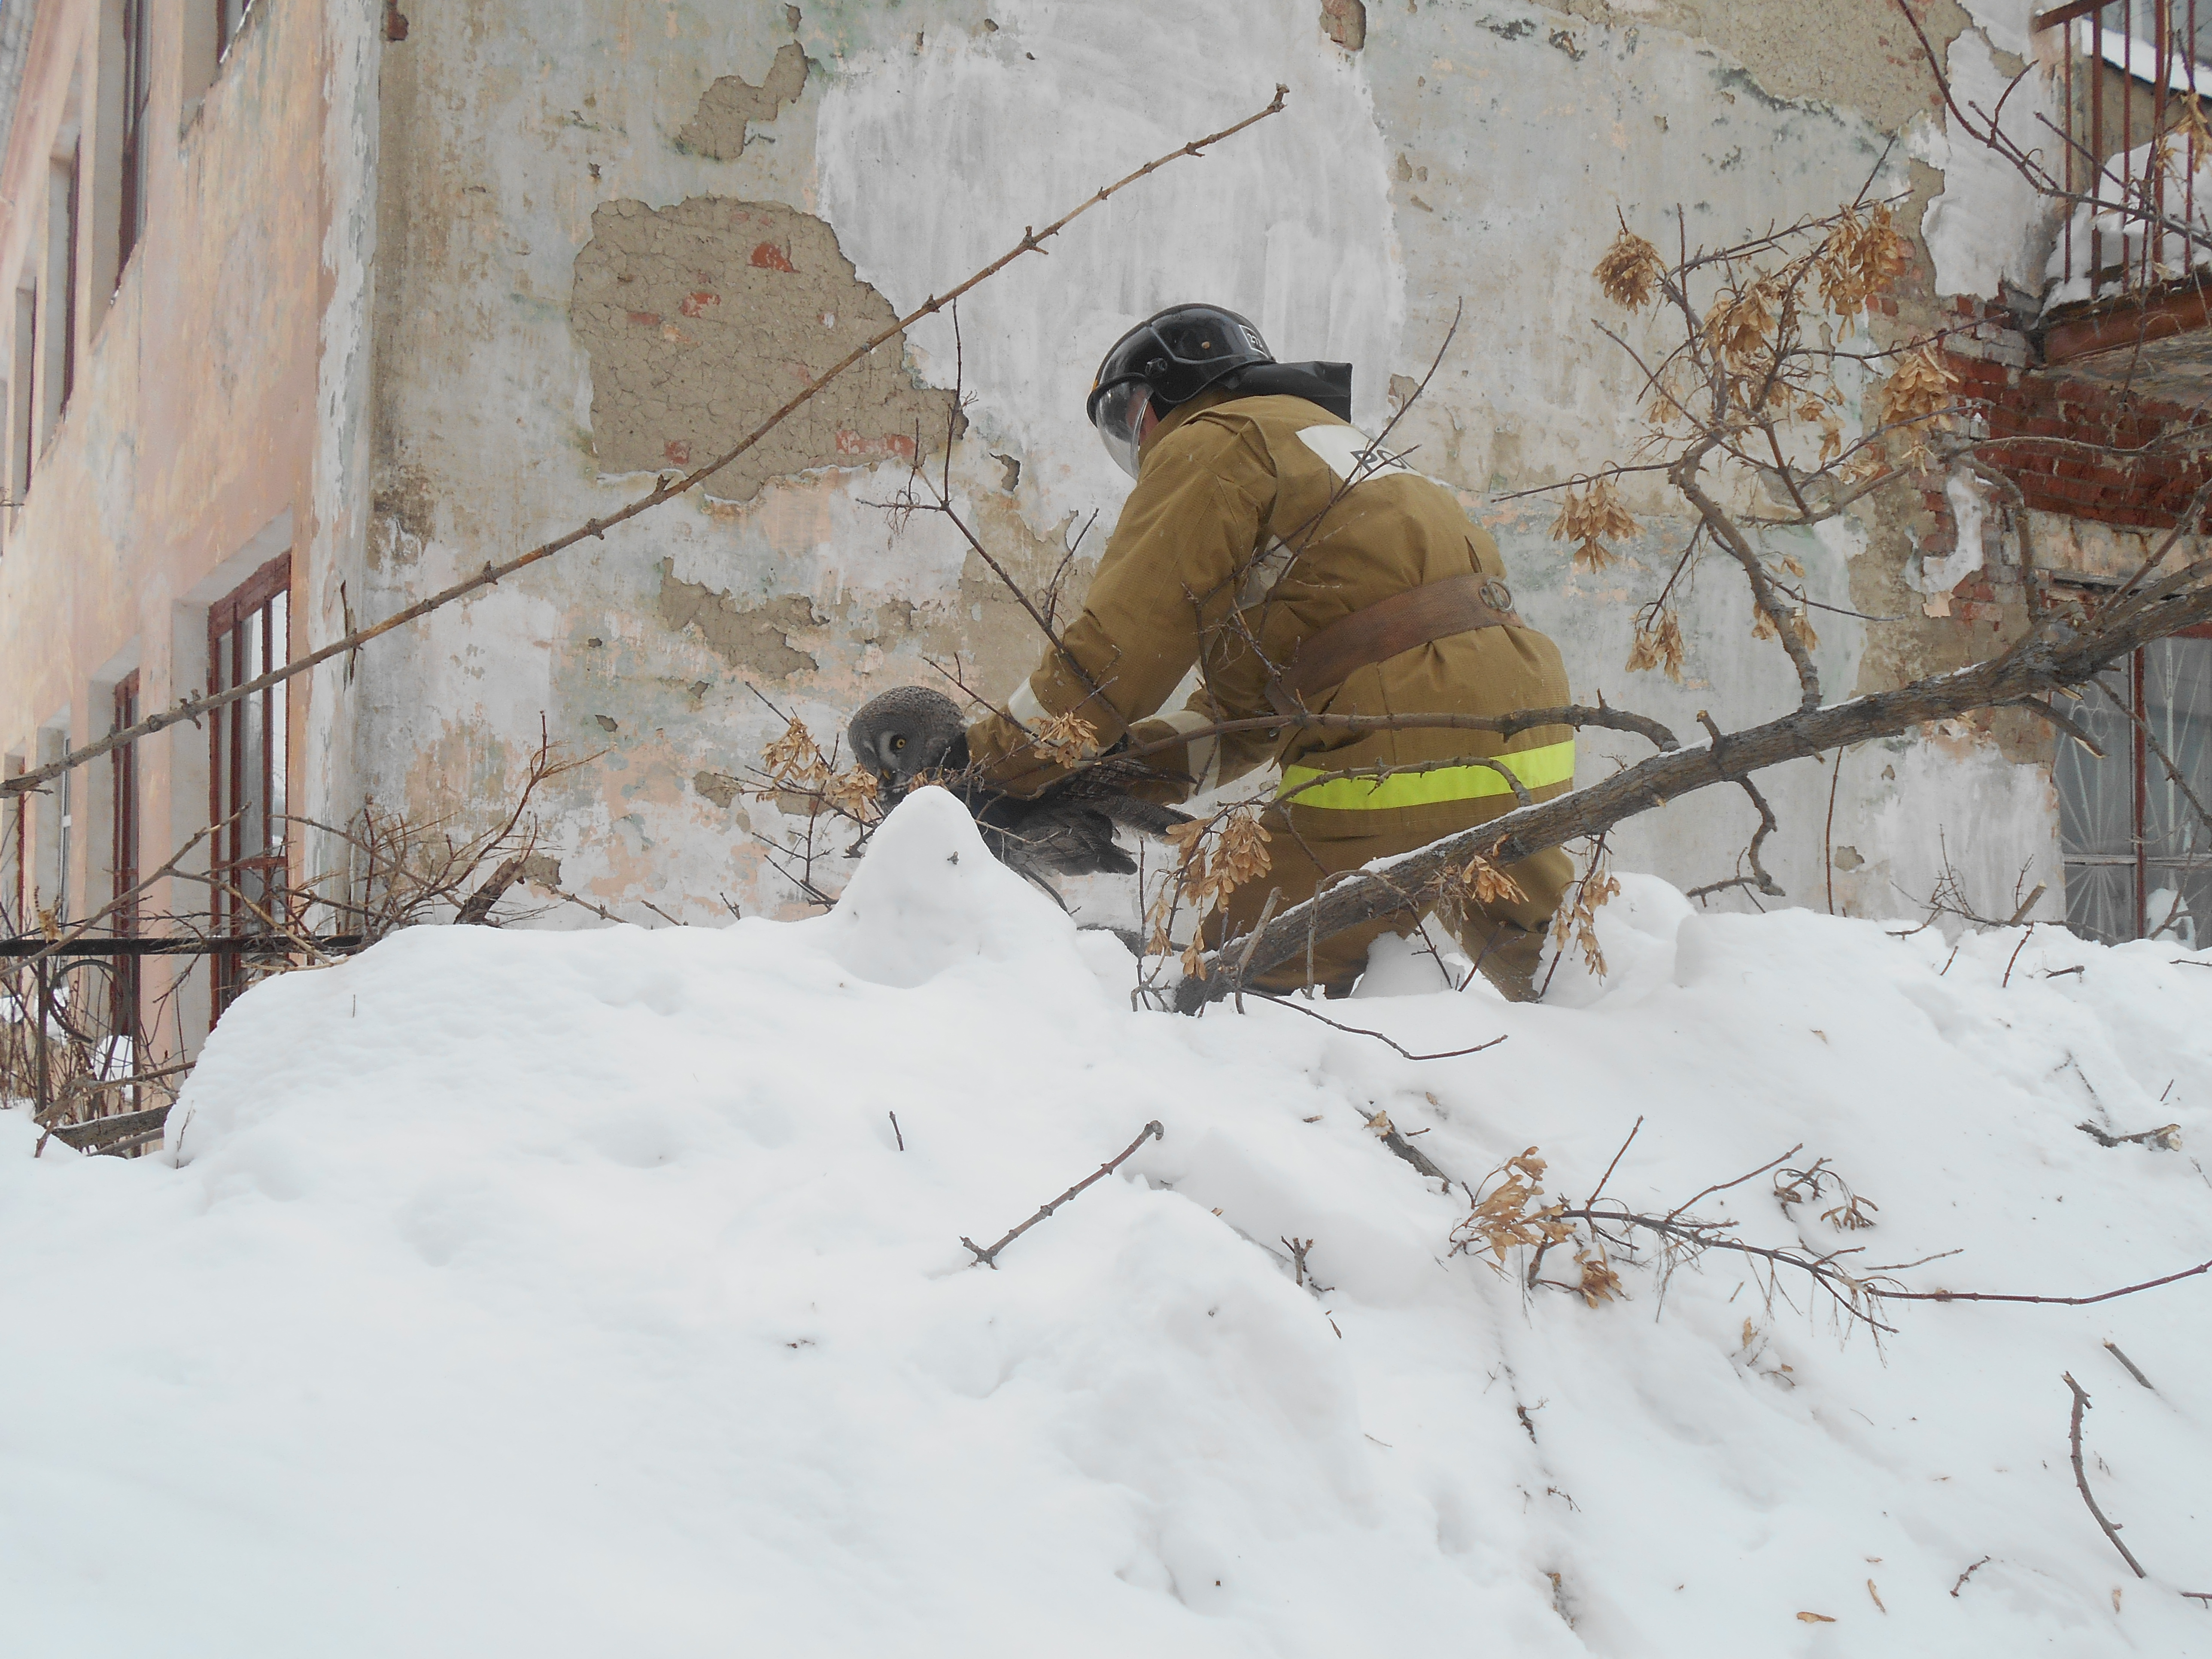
2135,104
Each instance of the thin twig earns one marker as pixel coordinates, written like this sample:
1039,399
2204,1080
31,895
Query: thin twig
1596,1191
2082,1479
2052,1300
990,1258
1356,1030
2113,1348
1723,1185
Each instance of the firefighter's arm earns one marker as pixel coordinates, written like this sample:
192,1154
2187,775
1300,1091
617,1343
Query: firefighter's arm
1169,573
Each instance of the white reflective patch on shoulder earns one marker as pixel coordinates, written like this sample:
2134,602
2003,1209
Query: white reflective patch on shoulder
1350,453
1184,721
1204,753
1024,707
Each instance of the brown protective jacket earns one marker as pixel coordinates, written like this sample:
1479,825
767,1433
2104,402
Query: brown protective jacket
1255,522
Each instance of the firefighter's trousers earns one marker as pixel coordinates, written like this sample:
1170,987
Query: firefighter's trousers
1504,938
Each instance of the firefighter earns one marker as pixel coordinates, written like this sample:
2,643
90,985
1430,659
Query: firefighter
1269,544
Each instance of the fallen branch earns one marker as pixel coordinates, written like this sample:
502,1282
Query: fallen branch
2036,664
666,490
1855,1297
95,1133
2082,1479
2052,1300
2165,1137
990,1258
2113,1349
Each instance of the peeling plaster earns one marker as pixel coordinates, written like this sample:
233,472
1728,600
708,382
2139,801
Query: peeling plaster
703,319
759,638
726,107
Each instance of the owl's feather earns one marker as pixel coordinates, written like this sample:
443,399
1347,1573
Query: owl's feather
1067,829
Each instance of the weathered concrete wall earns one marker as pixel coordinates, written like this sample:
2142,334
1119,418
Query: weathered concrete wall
217,418
1473,152
606,237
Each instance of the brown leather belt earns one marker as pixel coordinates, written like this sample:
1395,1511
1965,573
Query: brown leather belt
1434,610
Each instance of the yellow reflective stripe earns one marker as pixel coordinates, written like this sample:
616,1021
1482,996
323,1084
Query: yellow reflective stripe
1552,763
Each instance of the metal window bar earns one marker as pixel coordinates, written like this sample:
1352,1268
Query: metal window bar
124,977
2137,857
2128,71
101,1129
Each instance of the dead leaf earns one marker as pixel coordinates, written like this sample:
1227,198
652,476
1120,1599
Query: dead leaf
1814,1619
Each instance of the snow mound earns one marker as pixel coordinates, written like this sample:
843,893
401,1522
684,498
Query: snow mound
516,1292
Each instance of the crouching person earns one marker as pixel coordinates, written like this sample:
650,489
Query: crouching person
1300,569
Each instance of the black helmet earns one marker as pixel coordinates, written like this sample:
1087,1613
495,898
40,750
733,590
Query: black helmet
1166,359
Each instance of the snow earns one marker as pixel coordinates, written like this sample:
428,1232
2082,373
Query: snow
2140,58
2120,233
522,1292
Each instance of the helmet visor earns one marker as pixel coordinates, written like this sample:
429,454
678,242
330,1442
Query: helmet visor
1119,414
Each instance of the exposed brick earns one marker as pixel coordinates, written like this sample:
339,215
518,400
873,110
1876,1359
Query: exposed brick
2148,491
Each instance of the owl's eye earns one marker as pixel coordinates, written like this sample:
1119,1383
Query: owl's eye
897,744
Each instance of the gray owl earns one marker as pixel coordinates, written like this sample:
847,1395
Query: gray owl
1067,830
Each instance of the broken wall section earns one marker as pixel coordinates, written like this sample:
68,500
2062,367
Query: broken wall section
703,319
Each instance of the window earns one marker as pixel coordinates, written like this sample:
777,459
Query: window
123,848
50,841
18,919
248,635
18,392
59,372
2138,853
137,90
230,17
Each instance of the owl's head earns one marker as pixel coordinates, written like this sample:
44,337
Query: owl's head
906,731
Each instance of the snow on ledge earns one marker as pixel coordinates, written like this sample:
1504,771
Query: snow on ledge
584,1293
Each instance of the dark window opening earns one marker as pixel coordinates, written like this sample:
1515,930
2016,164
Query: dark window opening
2137,849
26,406
69,290
248,635
18,919
230,17
137,92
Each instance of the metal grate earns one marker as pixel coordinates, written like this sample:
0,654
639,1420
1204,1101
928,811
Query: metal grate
2136,105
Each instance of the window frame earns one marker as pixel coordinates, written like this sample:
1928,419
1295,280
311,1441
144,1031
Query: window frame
137,102
247,854
2140,761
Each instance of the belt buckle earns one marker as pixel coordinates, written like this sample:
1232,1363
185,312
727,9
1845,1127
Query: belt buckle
1497,595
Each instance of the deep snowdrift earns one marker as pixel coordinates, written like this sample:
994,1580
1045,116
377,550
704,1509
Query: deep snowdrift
569,1294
